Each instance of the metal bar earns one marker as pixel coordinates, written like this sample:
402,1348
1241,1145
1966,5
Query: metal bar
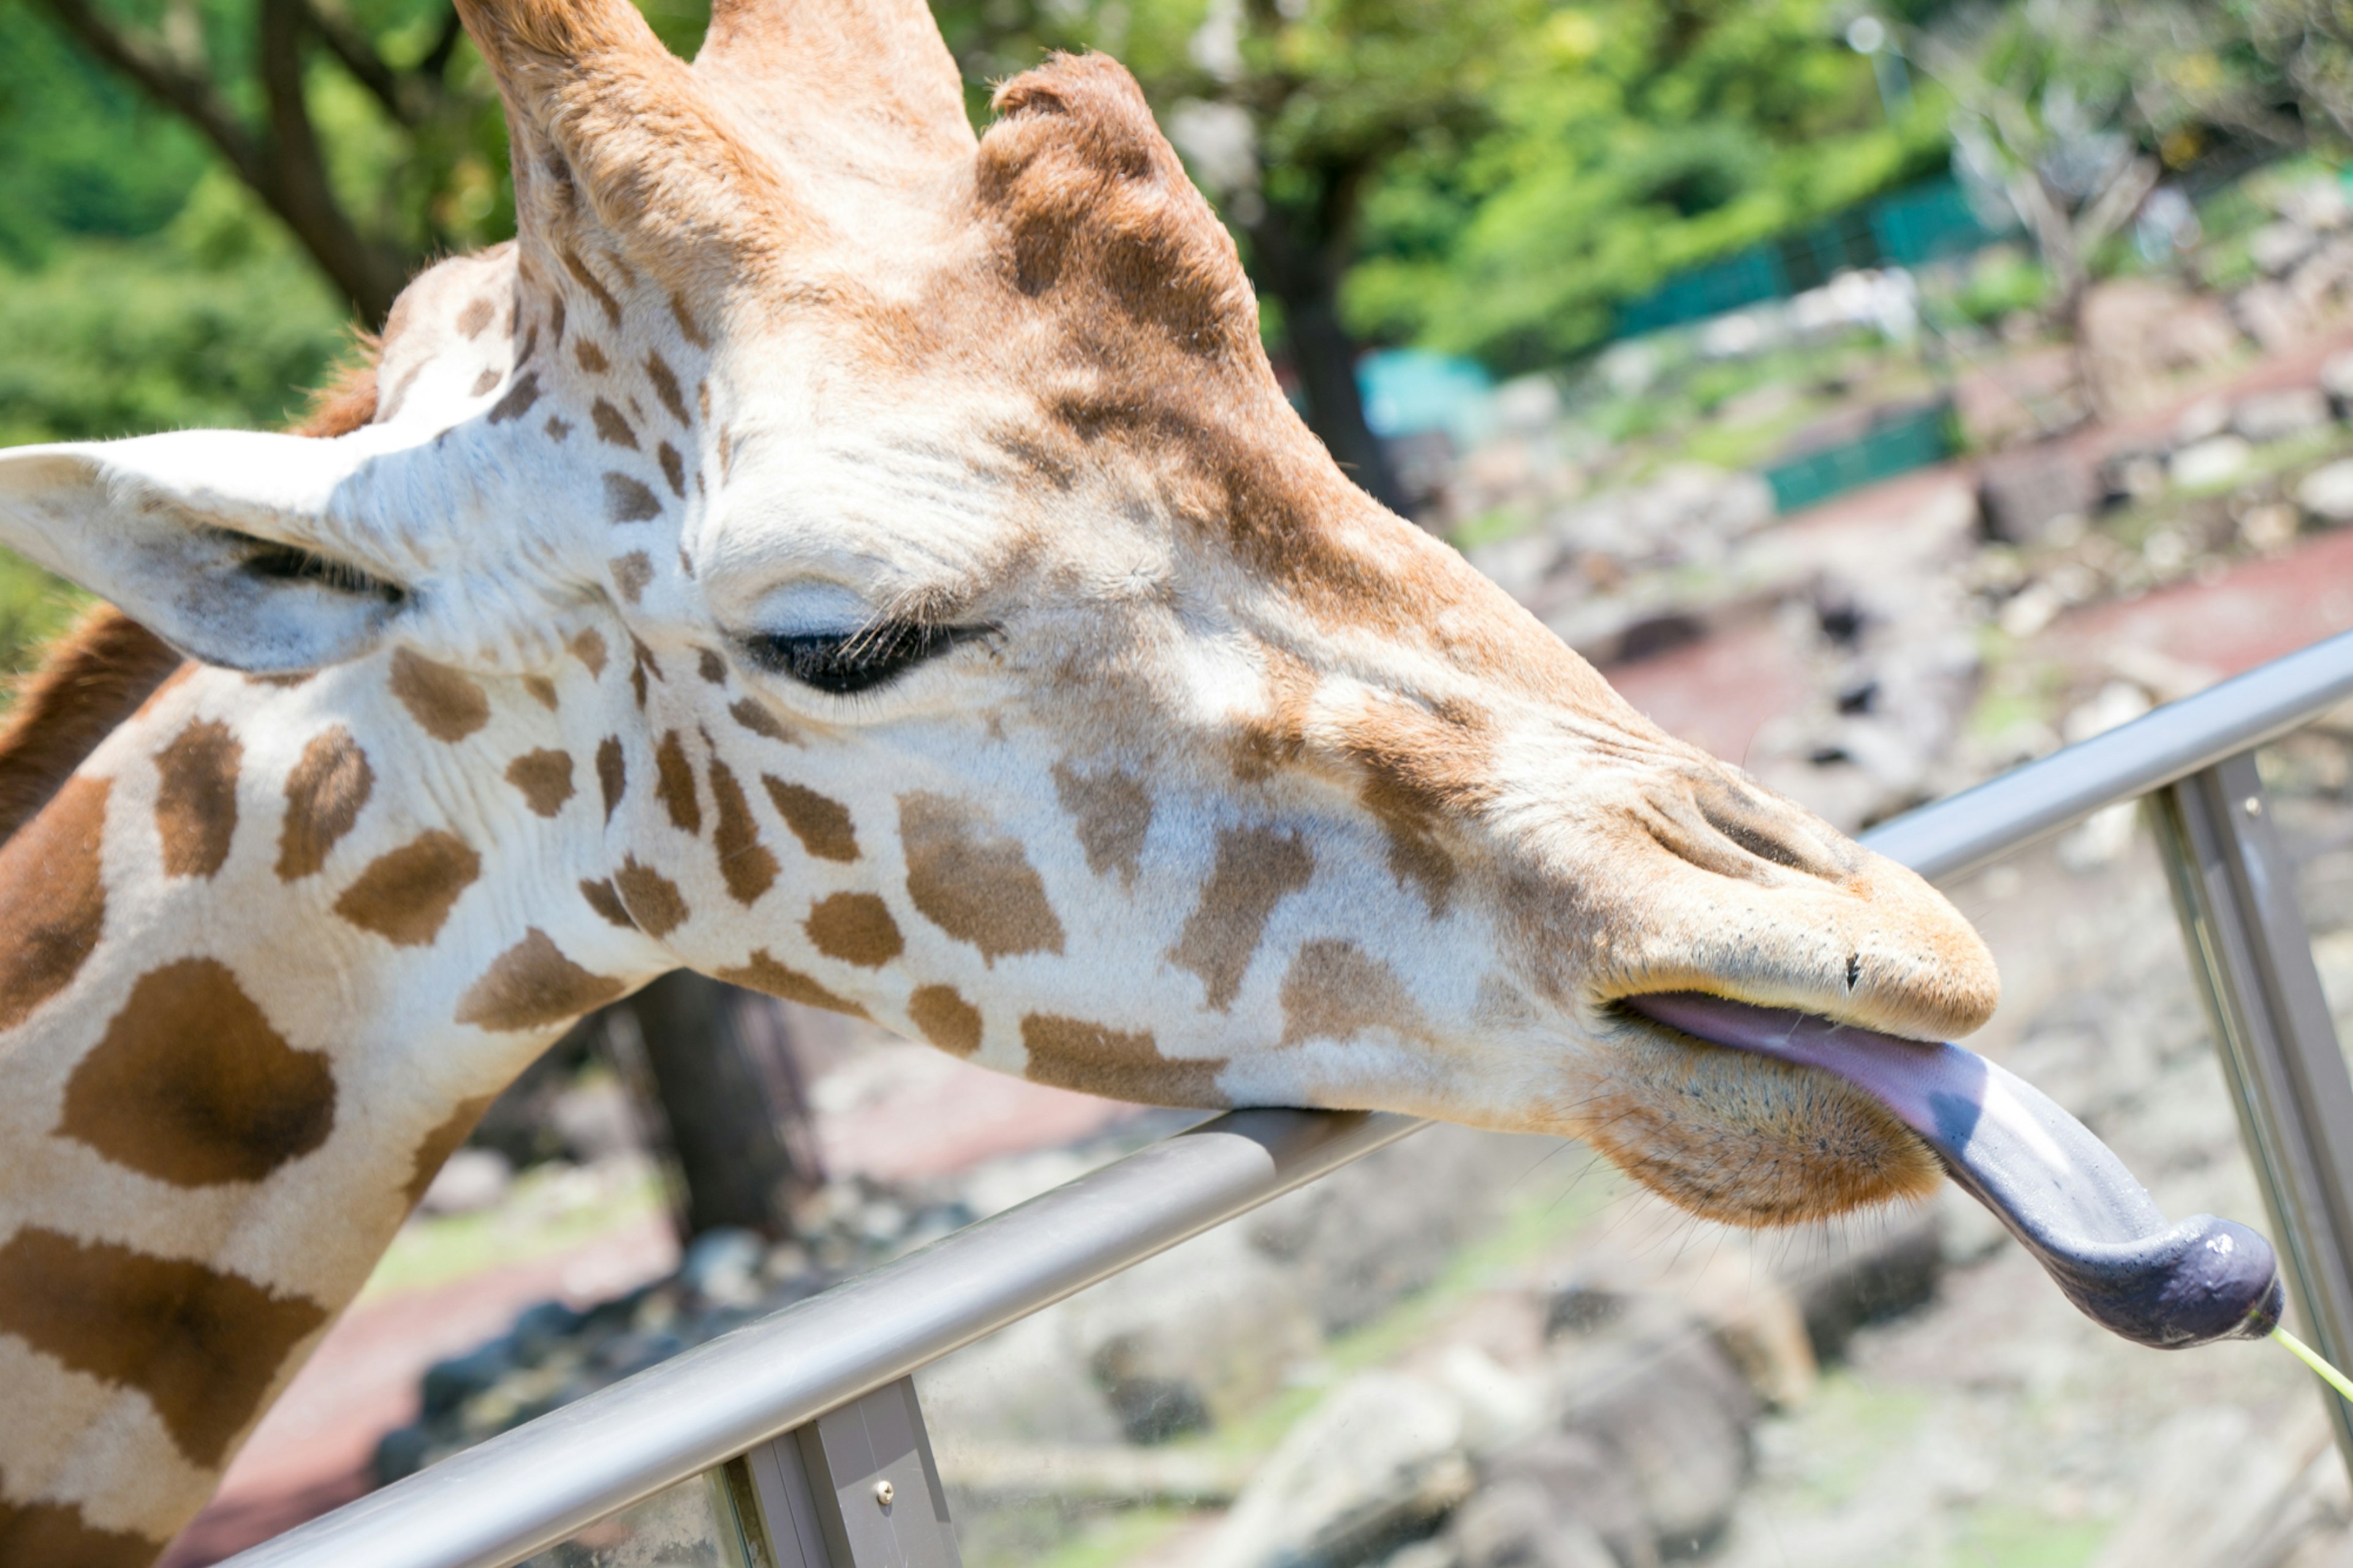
2235,893
530,1488
1965,831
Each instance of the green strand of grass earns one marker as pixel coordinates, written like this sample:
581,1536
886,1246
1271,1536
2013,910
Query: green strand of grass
2311,1358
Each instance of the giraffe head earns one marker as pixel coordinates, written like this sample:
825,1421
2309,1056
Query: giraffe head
882,563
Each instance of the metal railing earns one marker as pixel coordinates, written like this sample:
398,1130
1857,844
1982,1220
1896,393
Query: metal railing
809,1409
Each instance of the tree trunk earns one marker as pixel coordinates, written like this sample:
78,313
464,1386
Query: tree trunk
733,1113
1305,278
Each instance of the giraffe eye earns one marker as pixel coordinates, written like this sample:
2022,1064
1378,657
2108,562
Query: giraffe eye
846,663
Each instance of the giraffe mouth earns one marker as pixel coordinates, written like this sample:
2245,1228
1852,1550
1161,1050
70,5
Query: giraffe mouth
2062,1193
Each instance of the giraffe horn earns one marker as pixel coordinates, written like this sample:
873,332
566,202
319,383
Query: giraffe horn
612,130
876,70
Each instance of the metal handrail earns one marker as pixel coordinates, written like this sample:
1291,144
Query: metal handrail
527,1489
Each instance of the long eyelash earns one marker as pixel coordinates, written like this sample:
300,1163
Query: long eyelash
847,663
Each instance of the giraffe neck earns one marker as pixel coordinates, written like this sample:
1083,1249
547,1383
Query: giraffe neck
263,961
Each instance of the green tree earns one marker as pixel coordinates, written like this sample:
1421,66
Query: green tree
1631,140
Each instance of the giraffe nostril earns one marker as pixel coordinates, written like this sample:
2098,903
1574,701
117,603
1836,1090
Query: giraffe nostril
1770,829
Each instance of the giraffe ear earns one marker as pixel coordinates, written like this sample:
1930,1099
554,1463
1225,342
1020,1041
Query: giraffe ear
228,544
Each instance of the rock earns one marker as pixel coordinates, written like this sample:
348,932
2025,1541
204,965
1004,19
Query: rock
1194,1338
1516,1525
1674,1407
451,1382
2276,247
2209,464
1585,1480
1369,1235
724,1265
2261,416
2202,421
2337,380
1381,1455
469,1180
2021,493
2271,314
1849,1279
2326,493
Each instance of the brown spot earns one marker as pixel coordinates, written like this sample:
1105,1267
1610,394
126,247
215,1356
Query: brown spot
532,985
405,894
594,285
1073,1054
518,401
945,1019
592,358
710,666
1255,868
191,1085
1113,812
1410,823
656,906
976,886
855,927
52,902
484,382
673,468
324,794
544,777
612,773
686,323
754,715
606,902
195,798
763,973
557,313
631,572
1336,990
674,783
38,1533
440,1144
541,689
557,429
819,822
685,562
475,317
627,501
641,661
446,704
612,428
744,860
588,647
658,371
204,1346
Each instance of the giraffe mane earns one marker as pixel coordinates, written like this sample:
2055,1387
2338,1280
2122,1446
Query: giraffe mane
96,673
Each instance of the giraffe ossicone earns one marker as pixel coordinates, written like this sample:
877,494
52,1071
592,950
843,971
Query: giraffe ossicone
866,562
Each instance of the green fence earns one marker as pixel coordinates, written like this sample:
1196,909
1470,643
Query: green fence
1898,441
1922,222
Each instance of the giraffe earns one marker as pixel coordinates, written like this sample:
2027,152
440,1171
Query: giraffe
864,562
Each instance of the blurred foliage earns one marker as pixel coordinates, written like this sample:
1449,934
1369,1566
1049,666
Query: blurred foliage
1631,141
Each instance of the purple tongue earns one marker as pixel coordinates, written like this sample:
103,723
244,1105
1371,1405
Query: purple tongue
2060,1190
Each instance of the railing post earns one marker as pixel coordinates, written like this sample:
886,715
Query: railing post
2235,893
857,1487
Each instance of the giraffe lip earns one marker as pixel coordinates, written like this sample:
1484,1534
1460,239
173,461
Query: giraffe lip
2060,1190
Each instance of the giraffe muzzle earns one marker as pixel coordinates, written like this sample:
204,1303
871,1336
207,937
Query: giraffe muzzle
2064,1193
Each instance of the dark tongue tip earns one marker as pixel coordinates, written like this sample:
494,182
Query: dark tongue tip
2060,1190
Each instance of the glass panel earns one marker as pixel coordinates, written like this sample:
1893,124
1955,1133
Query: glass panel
691,1525
2309,777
